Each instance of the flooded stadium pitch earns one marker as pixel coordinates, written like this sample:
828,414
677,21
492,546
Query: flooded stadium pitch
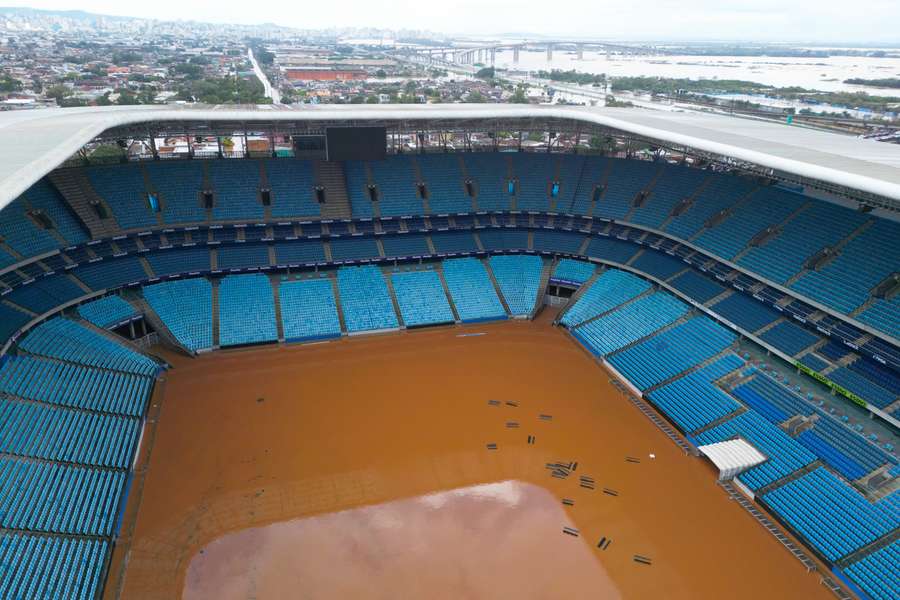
428,464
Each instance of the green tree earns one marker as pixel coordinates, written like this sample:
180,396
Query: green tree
476,97
485,73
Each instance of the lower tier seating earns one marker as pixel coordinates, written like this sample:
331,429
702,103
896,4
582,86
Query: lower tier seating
518,277
877,574
39,566
629,323
73,385
694,401
185,307
832,516
610,289
55,498
573,271
421,298
669,353
472,291
308,309
365,299
784,453
246,310
107,311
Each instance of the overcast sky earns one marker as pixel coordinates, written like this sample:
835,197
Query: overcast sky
823,21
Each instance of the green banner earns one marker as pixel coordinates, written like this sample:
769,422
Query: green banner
839,389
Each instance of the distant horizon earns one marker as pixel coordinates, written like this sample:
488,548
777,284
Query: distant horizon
861,28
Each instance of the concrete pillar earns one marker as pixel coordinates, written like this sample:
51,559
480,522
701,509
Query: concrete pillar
516,54
580,55
549,52
493,56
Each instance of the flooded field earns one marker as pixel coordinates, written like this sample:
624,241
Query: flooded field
363,469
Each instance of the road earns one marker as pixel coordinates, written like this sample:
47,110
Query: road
270,90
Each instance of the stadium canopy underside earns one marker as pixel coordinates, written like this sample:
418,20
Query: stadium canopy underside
33,143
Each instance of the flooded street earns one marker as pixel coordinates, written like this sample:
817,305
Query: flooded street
362,469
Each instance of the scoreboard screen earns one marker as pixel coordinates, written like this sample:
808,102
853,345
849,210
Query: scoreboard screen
356,143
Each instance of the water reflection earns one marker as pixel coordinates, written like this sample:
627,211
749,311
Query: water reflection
496,540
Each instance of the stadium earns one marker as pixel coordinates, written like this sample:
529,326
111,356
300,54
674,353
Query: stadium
446,351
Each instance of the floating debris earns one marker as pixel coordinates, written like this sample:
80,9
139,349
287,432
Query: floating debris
568,502
610,492
644,560
570,531
632,459
512,425
545,417
531,439
604,543
586,485
493,402
513,404
492,446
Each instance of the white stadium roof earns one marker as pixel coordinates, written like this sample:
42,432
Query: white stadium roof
34,142
732,457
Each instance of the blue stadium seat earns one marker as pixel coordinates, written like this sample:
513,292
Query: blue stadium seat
185,307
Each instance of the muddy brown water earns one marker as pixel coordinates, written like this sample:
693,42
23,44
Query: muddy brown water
360,469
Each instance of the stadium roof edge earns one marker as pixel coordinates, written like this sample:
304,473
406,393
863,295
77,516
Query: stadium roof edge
33,143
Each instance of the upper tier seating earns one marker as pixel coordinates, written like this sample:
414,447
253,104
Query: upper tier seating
67,340
490,173
558,241
630,323
107,311
242,256
611,249
236,185
694,401
178,183
863,263
454,241
22,234
719,193
659,265
573,271
421,298
396,182
518,277
626,179
674,185
535,174
669,353
843,449
591,177
820,225
859,385
67,567
353,248
365,299
877,574
472,291
446,184
122,187
292,183
785,454
246,310
308,309
185,307
767,207
72,385
832,516
610,289
883,315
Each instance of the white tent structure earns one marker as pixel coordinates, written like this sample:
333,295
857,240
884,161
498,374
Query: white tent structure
732,457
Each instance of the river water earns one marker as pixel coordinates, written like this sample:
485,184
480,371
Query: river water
825,74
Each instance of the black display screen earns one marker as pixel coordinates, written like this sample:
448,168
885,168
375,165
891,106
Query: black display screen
356,143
